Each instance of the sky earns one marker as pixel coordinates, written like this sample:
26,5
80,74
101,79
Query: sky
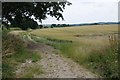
87,11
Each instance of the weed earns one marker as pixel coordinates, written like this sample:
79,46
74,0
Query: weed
14,52
105,61
31,71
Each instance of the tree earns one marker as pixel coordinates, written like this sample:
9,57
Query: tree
16,13
40,26
53,25
33,24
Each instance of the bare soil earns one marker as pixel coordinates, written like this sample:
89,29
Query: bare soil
55,65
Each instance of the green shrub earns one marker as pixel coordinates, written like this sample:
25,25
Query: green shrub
105,60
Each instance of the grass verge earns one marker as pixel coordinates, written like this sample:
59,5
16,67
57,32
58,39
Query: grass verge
14,53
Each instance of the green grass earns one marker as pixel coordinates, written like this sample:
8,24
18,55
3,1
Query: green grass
103,61
14,53
22,54
0,52
92,48
106,59
31,71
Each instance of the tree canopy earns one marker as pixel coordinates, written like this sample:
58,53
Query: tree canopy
20,13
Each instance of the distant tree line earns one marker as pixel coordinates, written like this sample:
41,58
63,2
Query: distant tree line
59,25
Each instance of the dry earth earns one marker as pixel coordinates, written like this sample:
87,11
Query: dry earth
55,65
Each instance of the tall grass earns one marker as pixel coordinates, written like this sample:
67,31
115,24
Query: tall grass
14,52
62,45
105,59
0,52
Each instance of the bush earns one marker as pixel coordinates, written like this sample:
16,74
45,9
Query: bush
105,60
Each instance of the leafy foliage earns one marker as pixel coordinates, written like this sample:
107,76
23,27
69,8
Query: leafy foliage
20,13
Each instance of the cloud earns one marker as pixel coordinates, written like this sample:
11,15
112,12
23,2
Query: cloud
85,11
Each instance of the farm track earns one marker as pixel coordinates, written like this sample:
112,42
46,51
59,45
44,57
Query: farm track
55,65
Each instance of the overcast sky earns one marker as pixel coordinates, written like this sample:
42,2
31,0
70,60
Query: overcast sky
88,11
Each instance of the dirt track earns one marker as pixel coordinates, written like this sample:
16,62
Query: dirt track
55,65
